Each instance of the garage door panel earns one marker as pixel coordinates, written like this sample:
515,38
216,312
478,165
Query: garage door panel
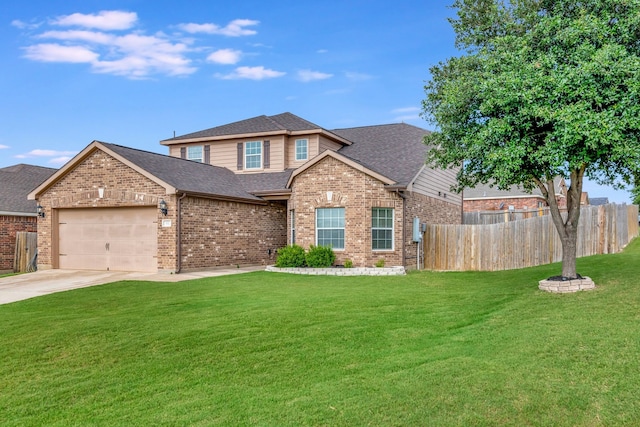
128,247
132,263
123,239
83,262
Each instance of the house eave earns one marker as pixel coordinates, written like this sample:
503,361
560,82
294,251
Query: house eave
221,197
284,194
10,213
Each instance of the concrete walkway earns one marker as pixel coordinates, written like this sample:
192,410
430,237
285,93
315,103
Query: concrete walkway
31,285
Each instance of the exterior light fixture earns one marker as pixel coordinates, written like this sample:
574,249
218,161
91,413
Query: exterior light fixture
40,211
163,207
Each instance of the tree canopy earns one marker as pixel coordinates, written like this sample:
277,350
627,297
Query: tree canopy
545,88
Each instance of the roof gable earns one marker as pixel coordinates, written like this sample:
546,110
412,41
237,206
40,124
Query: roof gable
340,158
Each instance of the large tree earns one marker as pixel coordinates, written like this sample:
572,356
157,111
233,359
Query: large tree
543,89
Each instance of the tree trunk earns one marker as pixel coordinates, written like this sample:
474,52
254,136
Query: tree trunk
567,228
569,245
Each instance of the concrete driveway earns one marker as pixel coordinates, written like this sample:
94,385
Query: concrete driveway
30,285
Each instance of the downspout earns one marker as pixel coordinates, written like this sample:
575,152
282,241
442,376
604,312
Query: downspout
179,232
404,223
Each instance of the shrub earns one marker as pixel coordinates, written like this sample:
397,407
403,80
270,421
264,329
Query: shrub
320,256
348,263
291,256
380,263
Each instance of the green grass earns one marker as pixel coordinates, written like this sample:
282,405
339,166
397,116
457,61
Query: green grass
267,349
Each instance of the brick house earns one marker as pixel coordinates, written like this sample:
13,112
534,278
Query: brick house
16,212
486,198
234,194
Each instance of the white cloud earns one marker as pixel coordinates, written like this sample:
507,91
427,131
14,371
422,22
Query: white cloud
58,53
252,73
406,114
134,54
103,20
24,25
59,157
322,51
2,147
59,160
358,76
406,110
309,75
79,35
131,55
225,56
234,28
48,153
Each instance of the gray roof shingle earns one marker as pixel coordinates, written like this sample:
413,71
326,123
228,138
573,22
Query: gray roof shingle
597,201
396,151
279,122
16,182
186,175
268,181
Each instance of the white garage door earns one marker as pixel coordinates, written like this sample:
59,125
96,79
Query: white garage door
118,239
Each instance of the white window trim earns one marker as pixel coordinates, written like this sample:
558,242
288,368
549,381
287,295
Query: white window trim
293,226
246,155
344,228
306,141
198,159
393,231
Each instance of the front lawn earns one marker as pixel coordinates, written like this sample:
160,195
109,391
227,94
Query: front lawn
268,349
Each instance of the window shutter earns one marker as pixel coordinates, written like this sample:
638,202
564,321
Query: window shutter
183,152
267,151
240,159
207,154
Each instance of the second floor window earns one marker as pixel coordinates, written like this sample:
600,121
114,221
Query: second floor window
195,153
253,155
302,147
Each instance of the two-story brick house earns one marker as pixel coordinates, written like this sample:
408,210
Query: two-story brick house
235,193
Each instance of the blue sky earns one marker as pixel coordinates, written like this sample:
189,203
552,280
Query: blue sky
134,72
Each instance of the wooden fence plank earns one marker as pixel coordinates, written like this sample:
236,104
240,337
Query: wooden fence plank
497,245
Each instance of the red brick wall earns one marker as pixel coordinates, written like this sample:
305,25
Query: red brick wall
122,186
357,193
9,226
220,233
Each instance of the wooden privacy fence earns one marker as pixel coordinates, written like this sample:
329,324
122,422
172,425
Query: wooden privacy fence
526,243
26,251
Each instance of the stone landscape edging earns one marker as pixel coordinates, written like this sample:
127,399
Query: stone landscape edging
566,286
356,271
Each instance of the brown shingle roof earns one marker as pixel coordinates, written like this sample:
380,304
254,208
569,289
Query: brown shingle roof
268,181
395,150
186,175
16,182
259,124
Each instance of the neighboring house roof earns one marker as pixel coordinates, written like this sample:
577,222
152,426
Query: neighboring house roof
15,184
597,201
486,191
285,123
175,174
396,151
